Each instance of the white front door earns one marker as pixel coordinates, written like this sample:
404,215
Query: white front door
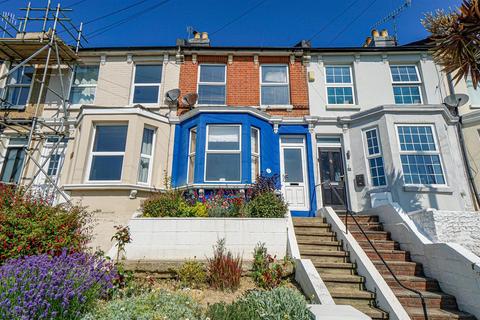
294,172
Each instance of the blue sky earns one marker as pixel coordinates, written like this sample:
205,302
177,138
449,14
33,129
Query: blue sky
253,22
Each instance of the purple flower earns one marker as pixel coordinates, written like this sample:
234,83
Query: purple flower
45,287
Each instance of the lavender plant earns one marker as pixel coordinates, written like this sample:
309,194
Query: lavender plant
58,287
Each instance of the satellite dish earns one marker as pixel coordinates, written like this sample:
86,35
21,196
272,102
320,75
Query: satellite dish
456,100
172,96
190,99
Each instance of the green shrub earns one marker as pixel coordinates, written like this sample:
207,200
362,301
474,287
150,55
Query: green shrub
266,205
192,274
224,270
280,303
200,210
267,271
166,204
148,306
31,226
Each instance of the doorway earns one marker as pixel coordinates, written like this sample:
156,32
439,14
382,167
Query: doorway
332,176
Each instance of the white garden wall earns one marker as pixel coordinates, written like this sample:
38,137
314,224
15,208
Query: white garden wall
460,227
186,238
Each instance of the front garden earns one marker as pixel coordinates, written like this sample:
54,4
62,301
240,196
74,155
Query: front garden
47,271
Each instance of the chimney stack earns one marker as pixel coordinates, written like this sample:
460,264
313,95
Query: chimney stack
380,39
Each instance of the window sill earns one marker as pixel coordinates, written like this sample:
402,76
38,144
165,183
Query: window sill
475,106
379,189
342,107
287,107
427,189
216,185
109,186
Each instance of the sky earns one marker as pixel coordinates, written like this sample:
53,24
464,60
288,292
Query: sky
328,23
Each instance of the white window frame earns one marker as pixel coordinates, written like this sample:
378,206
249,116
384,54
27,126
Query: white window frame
255,154
192,153
147,156
207,150
30,86
437,152
269,84
72,85
369,156
340,85
418,83
159,84
104,153
212,83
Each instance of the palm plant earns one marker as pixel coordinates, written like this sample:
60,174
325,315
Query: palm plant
456,39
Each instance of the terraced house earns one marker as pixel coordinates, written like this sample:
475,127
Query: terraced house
346,130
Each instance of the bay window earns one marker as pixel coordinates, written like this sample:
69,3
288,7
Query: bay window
146,83
108,152
223,153
255,149
192,145
17,88
274,85
84,85
406,84
419,155
146,155
212,84
375,158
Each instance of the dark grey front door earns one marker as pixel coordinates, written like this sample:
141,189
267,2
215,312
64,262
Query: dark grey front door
332,176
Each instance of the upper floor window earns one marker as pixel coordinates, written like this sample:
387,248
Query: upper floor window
255,149
192,146
339,85
13,160
274,85
375,158
419,155
223,154
146,155
146,83
84,85
108,151
17,88
212,84
406,84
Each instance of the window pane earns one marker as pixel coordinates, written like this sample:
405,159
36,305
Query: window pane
13,164
193,140
340,95
143,168
82,95
147,141
372,142
275,95
274,74
22,75
422,169
191,168
286,139
377,171
146,94
17,96
255,167
106,168
223,138
404,74
86,75
212,73
110,138
53,164
338,74
418,138
208,94
254,140
407,94
223,167
148,73
293,165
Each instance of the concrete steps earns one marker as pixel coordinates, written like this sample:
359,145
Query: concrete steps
319,244
440,306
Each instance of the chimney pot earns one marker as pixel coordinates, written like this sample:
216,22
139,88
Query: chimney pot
204,35
384,33
196,35
368,41
375,33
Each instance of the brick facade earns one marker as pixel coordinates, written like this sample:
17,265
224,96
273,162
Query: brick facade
243,81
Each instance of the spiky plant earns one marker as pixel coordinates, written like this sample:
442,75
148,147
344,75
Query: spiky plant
456,39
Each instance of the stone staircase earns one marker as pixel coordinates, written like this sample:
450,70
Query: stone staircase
440,306
317,242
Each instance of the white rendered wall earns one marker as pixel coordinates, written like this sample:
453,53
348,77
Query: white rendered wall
460,227
186,238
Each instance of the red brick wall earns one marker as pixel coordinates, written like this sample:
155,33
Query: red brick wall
243,81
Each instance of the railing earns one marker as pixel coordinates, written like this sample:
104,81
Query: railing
349,213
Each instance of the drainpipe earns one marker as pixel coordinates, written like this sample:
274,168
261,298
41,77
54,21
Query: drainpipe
461,138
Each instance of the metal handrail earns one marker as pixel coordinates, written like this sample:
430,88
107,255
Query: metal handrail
349,212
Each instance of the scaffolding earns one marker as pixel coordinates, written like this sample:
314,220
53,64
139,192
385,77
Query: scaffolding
36,43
